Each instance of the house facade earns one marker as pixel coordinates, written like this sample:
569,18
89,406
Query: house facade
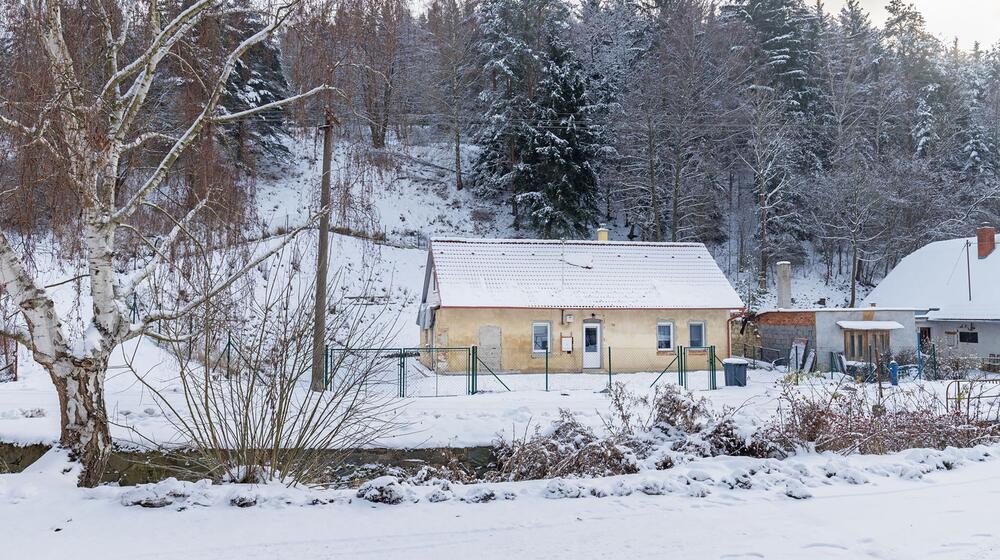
953,284
576,306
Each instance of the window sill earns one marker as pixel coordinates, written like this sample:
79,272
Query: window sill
671,351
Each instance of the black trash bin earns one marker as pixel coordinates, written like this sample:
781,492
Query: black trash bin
736,372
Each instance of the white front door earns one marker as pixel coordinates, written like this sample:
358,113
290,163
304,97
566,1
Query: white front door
591,345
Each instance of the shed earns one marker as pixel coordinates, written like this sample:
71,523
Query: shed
859,334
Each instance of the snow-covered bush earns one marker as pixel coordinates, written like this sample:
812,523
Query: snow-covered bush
384,490
558,489
480,495
652,432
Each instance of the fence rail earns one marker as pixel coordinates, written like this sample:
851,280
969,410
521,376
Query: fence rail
974,398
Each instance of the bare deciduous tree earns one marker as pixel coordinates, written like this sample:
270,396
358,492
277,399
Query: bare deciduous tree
88,123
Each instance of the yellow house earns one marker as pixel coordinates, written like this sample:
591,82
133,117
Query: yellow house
575,306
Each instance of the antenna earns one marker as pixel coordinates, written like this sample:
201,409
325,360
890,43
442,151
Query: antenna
562,263
968,266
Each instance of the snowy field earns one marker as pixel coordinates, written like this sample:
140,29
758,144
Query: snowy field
914,505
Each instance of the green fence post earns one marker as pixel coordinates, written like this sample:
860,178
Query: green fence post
609,368
326,366
546,370
711,368
685,350
402,373
680,366
475,369
934,362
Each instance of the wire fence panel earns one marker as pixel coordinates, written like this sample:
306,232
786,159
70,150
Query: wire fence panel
698,368
440,372
436,372
760,355
378,369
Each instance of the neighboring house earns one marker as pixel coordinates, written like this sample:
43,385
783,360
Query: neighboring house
530,304
954,285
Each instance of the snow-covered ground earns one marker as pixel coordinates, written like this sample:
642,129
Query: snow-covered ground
29,410
913,505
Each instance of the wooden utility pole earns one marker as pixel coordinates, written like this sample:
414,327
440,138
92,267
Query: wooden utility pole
322,262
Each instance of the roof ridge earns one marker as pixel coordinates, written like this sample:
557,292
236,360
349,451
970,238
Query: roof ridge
511,241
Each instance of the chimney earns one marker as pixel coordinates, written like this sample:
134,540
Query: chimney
602,233
784,285
986,236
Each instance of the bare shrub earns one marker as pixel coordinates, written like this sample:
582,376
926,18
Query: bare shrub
652,428
950,363
256,420
854,419
678,408
571,449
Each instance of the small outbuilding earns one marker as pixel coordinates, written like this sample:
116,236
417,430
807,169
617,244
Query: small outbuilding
575,306
857,334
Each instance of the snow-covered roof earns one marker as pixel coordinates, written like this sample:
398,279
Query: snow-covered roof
838,309
518,273
869,325
936,278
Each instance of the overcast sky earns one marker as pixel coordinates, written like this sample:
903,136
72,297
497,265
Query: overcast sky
969,20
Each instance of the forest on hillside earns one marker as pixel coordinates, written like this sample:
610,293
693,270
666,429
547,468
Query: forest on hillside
778,127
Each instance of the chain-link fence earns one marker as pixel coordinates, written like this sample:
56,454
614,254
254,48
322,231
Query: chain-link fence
696,368
403,372
439,372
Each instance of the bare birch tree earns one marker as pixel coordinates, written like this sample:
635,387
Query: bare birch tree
90,123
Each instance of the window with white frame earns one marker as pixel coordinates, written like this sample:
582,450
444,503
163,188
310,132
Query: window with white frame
696,335
540,338
664,336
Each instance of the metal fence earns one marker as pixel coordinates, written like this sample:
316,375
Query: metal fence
560,371
439,372
404,372
977,399
760,355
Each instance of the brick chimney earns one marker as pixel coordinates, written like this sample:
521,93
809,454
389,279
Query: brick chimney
986,236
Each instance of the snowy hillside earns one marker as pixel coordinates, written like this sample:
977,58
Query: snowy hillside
404,193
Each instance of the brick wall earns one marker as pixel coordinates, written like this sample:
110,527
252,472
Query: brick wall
788,318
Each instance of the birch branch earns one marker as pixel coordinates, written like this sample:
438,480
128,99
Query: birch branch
159,257
202,119
191,306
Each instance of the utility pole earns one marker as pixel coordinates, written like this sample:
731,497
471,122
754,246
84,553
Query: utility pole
318,382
